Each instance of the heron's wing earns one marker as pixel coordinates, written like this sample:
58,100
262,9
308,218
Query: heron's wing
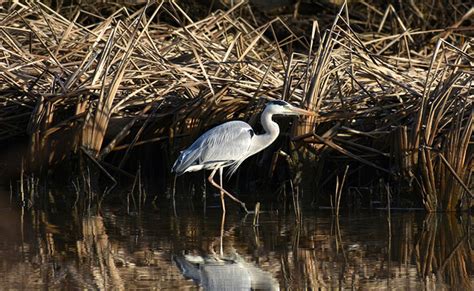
226,144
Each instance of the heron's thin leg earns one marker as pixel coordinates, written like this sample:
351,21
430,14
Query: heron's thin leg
236,200
211,180
222,189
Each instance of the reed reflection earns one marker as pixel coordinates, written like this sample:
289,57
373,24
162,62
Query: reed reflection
53,249
443,250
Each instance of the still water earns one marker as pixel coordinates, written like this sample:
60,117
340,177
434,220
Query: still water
156,249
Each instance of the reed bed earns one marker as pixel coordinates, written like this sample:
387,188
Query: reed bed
385,100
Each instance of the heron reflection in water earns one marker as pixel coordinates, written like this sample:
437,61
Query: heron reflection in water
229,144
229,273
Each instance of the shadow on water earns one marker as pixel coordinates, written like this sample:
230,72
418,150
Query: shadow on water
155,249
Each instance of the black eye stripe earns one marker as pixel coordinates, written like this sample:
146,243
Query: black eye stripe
279,102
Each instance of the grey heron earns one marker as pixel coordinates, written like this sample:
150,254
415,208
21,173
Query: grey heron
229,144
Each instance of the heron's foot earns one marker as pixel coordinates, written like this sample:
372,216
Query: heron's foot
245,208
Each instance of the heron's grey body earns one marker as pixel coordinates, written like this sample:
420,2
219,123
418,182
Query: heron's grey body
229,144
222,146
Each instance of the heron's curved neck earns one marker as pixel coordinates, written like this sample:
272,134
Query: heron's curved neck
272,130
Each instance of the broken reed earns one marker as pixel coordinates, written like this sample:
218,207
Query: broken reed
131,79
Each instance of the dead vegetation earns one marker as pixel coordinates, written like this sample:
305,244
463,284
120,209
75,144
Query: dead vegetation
384,100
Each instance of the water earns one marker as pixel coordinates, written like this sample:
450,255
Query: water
157,250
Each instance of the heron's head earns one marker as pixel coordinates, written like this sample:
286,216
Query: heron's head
281,107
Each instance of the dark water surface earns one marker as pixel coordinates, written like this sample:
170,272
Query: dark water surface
157,250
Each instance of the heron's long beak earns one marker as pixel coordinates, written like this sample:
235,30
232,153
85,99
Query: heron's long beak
299,111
